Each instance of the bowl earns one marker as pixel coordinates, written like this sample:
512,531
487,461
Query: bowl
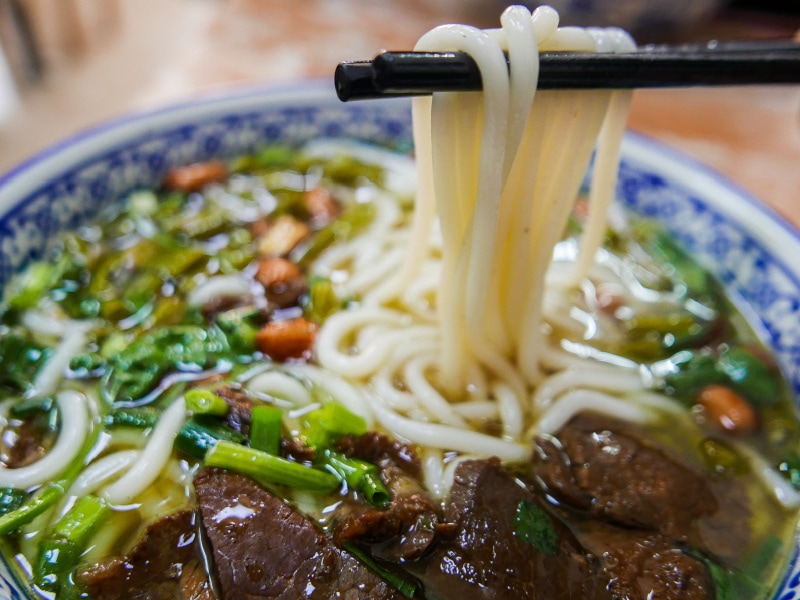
750,249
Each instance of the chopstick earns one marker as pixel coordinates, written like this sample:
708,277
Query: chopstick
733,63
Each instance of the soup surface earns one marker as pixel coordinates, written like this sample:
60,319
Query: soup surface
202,397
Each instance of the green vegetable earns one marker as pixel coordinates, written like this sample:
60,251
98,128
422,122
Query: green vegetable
205,402
331,422
35,505
198,435
535,527
240,325
358,475
34,283
30,407
266,428
353,220
736,367
750,376
401,584
81,520
11,499
322,300
20,361
138,368
61,551
268,468
695,371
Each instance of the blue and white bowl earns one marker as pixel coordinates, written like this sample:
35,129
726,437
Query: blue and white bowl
752,251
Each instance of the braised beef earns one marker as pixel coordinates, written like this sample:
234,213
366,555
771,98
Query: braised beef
374,446
240,411
23,443
644,565
600,466
264,549
488,559
400,532
163,564
296,449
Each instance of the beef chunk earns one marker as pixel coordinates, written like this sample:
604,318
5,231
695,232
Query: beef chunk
645,565
164,564
23,443
240,412
401,532
264,549
600,466
406,529
374,447
487,559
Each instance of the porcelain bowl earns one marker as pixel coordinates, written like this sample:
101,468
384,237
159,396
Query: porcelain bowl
752,251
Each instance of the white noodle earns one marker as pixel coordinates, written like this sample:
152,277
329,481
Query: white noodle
101,470
72,343
446,437
580,400
72,433
152,459
280,385
219,286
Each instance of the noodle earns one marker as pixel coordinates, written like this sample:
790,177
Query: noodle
74,429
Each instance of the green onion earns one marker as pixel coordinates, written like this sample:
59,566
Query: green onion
534,526
404,586
205,402
31,406
331,422
266,428
198,435
322,300
81,520
750,376
359,475
268,468
34,283
43,499
61,551
11,499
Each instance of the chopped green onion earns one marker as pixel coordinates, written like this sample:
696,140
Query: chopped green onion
534,526
359,475
205,402
62,550
43,499
404,586
269,468
198,435
331,422
81,520
322,300
31,406
11,499
266,428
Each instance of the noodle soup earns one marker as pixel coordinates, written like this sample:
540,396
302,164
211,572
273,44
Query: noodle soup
318,367
193,328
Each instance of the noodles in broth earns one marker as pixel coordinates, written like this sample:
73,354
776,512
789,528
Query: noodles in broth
289,340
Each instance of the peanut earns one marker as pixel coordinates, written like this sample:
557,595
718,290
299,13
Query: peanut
727,409
192,178
282,340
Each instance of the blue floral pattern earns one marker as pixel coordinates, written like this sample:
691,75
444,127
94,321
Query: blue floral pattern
69,184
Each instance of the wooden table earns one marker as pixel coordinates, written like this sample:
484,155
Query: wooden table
171,49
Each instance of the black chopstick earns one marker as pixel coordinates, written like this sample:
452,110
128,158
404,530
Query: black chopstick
737,63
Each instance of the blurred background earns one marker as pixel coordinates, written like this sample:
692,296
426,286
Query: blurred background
68,64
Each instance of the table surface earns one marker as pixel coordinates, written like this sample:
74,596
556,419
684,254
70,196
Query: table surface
165,50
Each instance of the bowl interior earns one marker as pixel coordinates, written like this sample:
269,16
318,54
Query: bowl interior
751,250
